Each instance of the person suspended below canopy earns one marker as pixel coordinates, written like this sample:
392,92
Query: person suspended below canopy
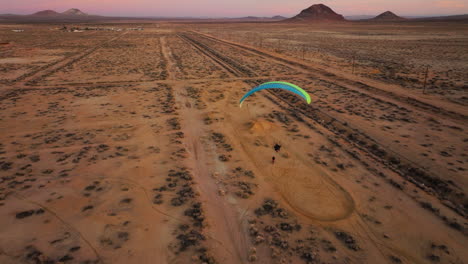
277,147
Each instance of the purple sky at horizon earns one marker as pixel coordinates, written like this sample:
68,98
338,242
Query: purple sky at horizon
235,8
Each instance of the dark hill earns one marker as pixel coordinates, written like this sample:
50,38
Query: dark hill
74,12
388,16
317,13
46,13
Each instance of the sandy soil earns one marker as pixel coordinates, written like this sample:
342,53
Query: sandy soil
130,147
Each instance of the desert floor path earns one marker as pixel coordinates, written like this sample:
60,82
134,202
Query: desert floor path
225,223
224,226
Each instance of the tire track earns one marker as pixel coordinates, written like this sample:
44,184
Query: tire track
33,77
234,242
347,83
228,64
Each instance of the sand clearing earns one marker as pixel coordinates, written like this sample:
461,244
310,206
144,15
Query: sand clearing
307,189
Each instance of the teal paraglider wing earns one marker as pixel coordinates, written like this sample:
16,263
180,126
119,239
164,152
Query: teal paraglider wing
278,85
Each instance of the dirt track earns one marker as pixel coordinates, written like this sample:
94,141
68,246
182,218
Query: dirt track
131,147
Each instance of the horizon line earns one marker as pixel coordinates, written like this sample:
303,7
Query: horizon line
220,17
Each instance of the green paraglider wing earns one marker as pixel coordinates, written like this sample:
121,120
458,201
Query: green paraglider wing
278,85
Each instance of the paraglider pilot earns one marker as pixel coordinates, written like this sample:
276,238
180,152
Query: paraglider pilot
277,147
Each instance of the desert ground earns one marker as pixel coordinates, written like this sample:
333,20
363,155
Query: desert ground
129,146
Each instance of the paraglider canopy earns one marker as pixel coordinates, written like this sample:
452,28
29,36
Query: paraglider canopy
278,85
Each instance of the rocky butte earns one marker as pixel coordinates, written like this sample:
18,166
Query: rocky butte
317,13
388,16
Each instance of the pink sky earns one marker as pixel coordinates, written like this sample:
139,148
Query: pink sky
235,8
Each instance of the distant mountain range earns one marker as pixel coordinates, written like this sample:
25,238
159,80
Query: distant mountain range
76,15
253,18
69,12
71,15
456,18
359,17
313,14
